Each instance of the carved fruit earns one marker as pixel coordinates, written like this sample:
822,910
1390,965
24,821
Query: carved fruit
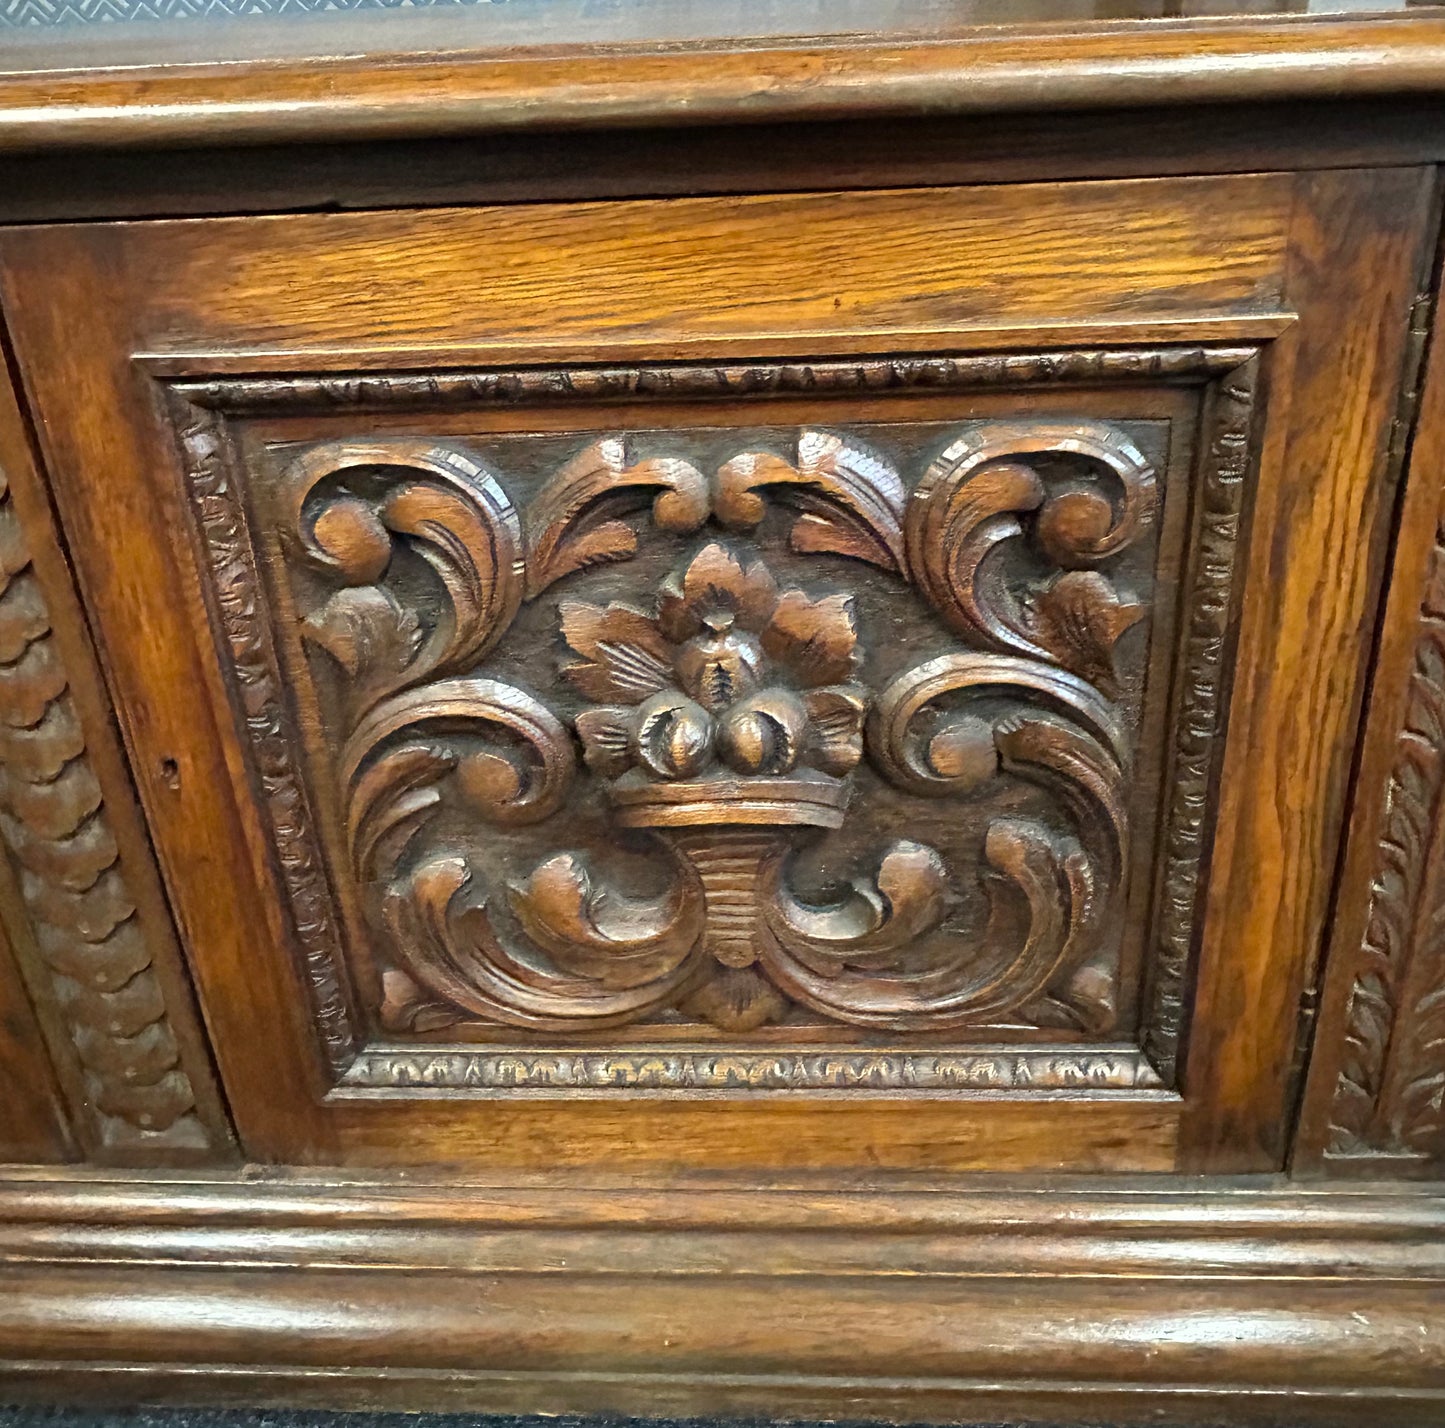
673,736
720,665
764,733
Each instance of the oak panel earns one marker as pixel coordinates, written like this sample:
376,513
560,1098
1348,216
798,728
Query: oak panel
784,274
970,273
1375,1102
1323,507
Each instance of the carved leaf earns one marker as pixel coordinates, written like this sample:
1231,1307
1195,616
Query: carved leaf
364,629
606,735
816,639
389,756
389,803
865,984
577,520
595,932
449,948
449,510
404,1008
716,583
834,740
1422,1096
971,500
1079,620
624,654
851,500
906,757
907,897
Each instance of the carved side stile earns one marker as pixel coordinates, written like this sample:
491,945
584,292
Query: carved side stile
1389,1098
73,882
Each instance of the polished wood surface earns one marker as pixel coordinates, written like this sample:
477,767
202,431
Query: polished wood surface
62,97
751,744
1120,963
34,1127
90,918
910,1300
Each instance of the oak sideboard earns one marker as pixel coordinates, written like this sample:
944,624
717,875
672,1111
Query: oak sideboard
725,710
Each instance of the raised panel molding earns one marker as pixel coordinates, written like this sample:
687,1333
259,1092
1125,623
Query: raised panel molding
723,705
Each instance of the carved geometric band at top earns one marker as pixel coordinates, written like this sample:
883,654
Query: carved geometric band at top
85,926
726,716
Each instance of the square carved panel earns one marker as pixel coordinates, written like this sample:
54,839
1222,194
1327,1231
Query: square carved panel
769,728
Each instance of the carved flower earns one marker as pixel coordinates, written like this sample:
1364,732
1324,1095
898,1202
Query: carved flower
729,668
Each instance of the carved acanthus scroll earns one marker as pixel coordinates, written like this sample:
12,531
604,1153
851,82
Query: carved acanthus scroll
726,716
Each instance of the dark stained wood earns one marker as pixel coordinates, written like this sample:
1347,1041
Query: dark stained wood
692,161
32,1123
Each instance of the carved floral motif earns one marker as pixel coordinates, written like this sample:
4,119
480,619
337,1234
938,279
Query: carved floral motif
726,721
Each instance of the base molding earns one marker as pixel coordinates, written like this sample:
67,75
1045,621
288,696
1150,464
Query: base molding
916,1300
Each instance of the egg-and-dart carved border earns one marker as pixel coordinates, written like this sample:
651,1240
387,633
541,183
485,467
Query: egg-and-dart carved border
200,410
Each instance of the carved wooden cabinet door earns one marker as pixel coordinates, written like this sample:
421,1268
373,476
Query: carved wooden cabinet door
823,680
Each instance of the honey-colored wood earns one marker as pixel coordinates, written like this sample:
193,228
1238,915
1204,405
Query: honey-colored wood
82,900
602,280
636,81
1321,513
898,1298
748,715
1377,1076
1057,264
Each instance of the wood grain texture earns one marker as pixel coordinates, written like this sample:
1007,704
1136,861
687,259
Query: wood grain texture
642,85
88,917
1377,1073
906,1299
1309,602
33,1124
593,283
990,265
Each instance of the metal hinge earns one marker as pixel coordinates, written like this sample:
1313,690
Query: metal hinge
1304,1027
1409,402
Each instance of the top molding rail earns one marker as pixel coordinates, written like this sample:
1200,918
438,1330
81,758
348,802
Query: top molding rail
362,97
